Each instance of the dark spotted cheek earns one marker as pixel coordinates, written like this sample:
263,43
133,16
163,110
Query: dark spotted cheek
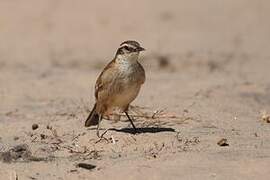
120,51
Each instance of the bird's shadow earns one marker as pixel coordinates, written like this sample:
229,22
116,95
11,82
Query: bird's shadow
143,130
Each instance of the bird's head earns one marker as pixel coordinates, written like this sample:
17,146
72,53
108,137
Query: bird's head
129,51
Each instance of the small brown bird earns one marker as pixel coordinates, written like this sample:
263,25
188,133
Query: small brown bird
118,84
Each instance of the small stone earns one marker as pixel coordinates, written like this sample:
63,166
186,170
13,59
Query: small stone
266,118
86,166
49,127
43,136
34,126
223,142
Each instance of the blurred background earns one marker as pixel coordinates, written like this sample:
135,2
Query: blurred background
40,32
57,48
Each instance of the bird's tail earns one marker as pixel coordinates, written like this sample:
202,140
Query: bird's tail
93,118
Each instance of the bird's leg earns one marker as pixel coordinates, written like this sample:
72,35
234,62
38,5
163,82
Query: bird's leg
135,129
98,125
101,137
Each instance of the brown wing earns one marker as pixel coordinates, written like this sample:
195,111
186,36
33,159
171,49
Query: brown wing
105,79
142,77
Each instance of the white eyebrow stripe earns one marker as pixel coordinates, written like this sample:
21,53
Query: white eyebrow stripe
129,45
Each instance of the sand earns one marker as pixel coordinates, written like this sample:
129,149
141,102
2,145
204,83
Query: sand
207,66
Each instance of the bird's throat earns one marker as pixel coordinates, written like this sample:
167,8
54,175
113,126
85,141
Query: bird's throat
127,59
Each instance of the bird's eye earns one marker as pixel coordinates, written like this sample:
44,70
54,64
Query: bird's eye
128,48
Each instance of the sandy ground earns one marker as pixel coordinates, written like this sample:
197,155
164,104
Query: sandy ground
207,66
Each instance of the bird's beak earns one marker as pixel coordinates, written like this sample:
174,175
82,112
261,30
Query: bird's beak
140,49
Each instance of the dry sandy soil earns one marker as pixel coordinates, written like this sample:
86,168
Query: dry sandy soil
207,66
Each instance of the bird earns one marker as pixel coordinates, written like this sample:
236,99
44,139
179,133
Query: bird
118,84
